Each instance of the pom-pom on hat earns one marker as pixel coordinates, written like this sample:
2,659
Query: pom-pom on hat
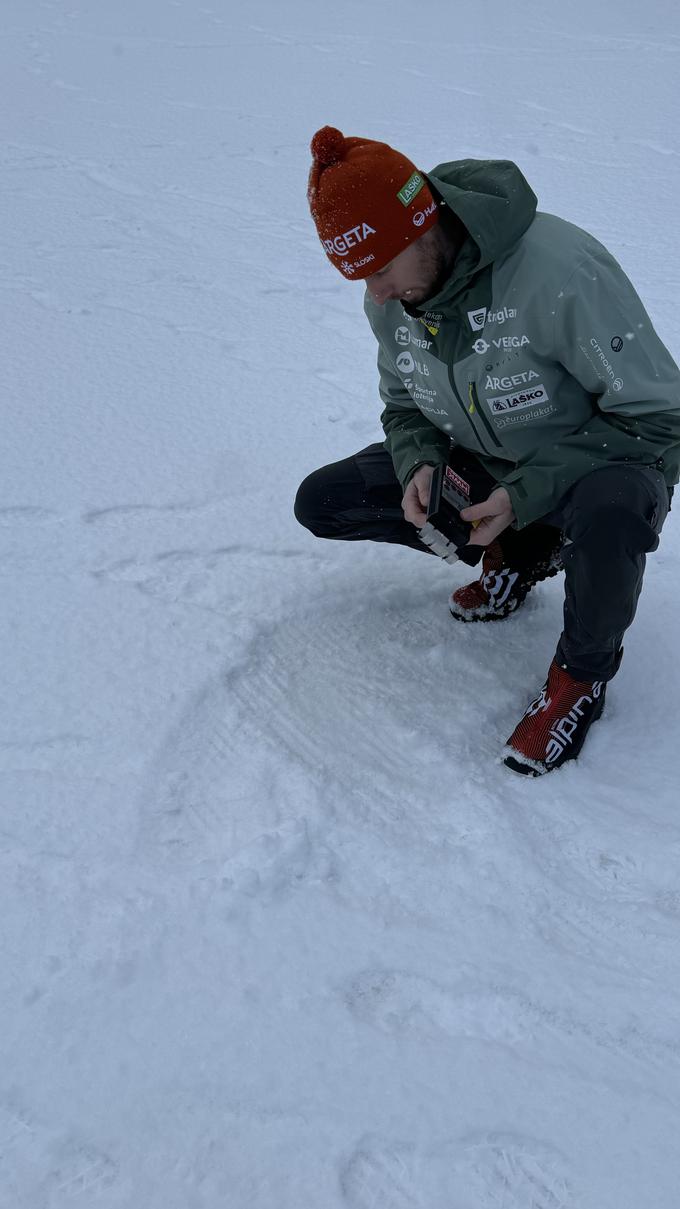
368,201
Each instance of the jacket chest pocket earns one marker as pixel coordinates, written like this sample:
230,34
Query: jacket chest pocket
476,410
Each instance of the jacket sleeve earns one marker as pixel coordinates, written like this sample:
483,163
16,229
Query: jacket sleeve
604,338
410,438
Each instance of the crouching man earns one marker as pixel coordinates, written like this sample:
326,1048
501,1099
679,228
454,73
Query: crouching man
512,347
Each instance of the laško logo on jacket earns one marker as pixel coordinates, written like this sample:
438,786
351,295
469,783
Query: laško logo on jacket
526,398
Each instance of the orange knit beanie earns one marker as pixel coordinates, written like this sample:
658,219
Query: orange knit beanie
367,200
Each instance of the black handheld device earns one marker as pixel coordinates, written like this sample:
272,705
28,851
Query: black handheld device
445,532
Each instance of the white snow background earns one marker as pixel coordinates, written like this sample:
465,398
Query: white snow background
278,929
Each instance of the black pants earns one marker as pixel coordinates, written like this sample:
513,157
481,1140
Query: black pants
609,520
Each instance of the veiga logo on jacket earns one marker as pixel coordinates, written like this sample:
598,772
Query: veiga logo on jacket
511,341
505,342
348,239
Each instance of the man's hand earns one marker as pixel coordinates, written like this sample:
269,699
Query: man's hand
494,515
417,496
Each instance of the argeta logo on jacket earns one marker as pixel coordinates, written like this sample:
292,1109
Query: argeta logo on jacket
477,319
509,380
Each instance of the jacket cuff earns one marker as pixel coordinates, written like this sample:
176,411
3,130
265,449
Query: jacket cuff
524,513
426,461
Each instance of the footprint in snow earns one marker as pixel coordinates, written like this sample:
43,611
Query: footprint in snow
41,1166
480,1171
398,1002
381,1175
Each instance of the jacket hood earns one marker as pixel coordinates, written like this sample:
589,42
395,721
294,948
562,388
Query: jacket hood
495,204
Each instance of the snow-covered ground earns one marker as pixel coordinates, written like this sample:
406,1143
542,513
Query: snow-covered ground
278,929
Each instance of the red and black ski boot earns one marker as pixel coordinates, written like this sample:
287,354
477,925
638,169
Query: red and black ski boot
508,574
556,723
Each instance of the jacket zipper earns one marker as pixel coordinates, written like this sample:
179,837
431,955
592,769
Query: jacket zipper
462,406
474,407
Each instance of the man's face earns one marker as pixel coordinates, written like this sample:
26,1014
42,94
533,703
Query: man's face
414,275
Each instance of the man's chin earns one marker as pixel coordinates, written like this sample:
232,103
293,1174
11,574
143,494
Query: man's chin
421,297
425,298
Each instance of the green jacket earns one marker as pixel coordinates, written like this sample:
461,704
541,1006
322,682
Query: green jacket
538,355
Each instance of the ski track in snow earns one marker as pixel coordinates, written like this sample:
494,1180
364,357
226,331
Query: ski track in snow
267,708
225,758
201,579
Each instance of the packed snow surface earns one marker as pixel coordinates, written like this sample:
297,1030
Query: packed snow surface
279,931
